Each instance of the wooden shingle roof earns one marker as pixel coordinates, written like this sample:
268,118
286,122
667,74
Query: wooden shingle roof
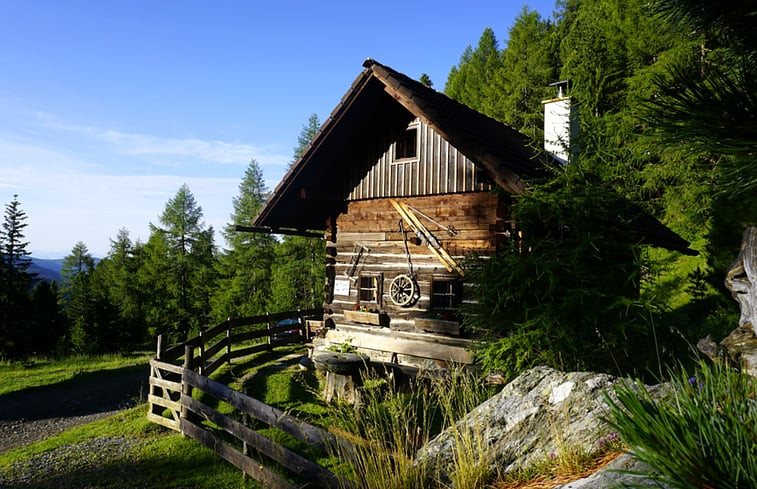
382,99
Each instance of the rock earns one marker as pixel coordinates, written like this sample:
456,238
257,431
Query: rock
621,472
541,413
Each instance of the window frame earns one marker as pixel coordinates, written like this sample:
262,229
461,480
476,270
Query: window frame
403,141
451,298
377,289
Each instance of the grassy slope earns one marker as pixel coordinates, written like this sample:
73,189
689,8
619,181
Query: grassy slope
154,456
39,372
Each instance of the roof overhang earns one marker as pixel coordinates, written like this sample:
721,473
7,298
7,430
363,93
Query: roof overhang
381,99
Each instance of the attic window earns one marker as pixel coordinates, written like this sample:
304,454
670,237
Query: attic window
407,145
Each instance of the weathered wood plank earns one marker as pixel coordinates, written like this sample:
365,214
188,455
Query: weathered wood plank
165,384
293,461
311,435
423,345
168,423
248,335
242,352
215,331
166,366
210,351
163,402
244,462
215,364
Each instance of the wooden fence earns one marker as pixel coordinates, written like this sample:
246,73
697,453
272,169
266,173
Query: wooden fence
172,386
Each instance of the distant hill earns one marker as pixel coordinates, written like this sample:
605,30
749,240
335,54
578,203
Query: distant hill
47,269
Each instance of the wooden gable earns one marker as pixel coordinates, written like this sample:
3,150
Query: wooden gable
372,116
416,162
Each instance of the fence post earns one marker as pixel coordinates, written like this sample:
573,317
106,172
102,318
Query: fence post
245,447
159,353
301,322
228,340
268,327
186,389
201,356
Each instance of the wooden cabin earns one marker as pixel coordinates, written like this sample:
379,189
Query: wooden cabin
400,182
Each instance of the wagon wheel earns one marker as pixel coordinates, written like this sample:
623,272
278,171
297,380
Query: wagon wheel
402,290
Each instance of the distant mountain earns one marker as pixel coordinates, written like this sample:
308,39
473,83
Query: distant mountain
47,269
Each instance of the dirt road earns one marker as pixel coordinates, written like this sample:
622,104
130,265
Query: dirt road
37,413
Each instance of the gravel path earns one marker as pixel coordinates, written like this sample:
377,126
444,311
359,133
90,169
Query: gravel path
38,413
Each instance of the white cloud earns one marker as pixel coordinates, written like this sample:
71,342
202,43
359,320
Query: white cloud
214,151
69,198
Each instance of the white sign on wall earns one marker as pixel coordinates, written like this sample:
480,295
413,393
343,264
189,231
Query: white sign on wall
341,287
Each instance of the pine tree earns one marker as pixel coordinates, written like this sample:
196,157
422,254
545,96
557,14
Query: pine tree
47,324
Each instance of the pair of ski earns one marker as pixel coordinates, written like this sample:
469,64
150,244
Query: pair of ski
428,238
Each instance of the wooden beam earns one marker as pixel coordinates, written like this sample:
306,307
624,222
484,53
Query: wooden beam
267,230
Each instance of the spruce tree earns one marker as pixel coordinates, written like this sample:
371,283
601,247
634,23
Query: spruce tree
15,281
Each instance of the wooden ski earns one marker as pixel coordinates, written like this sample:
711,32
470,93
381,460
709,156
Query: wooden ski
431,242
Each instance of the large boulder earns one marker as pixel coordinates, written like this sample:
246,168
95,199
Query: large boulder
542,413
621,472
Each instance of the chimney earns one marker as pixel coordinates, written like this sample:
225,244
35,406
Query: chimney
560,124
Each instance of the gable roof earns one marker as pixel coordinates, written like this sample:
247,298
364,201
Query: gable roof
382,98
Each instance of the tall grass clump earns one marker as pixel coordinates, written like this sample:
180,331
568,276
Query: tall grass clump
704,435
392,423
457,394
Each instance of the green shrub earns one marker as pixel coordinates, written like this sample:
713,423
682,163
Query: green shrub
565,291
704,435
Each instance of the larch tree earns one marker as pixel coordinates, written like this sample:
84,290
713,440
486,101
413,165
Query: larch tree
244,283
185,251
299,273
78,298
117,274
529,65
477,80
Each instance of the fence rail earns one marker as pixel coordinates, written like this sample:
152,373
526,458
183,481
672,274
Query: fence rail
171,392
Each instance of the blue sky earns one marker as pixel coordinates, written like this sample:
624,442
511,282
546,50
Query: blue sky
108,107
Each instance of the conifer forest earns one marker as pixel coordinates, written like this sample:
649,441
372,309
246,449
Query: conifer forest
667,101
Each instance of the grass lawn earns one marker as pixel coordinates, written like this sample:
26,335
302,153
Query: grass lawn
39,372
126,450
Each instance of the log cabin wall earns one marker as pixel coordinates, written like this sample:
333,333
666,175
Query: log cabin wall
419,162
367,252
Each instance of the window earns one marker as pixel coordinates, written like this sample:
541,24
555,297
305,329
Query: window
407,145
446,294
369,288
